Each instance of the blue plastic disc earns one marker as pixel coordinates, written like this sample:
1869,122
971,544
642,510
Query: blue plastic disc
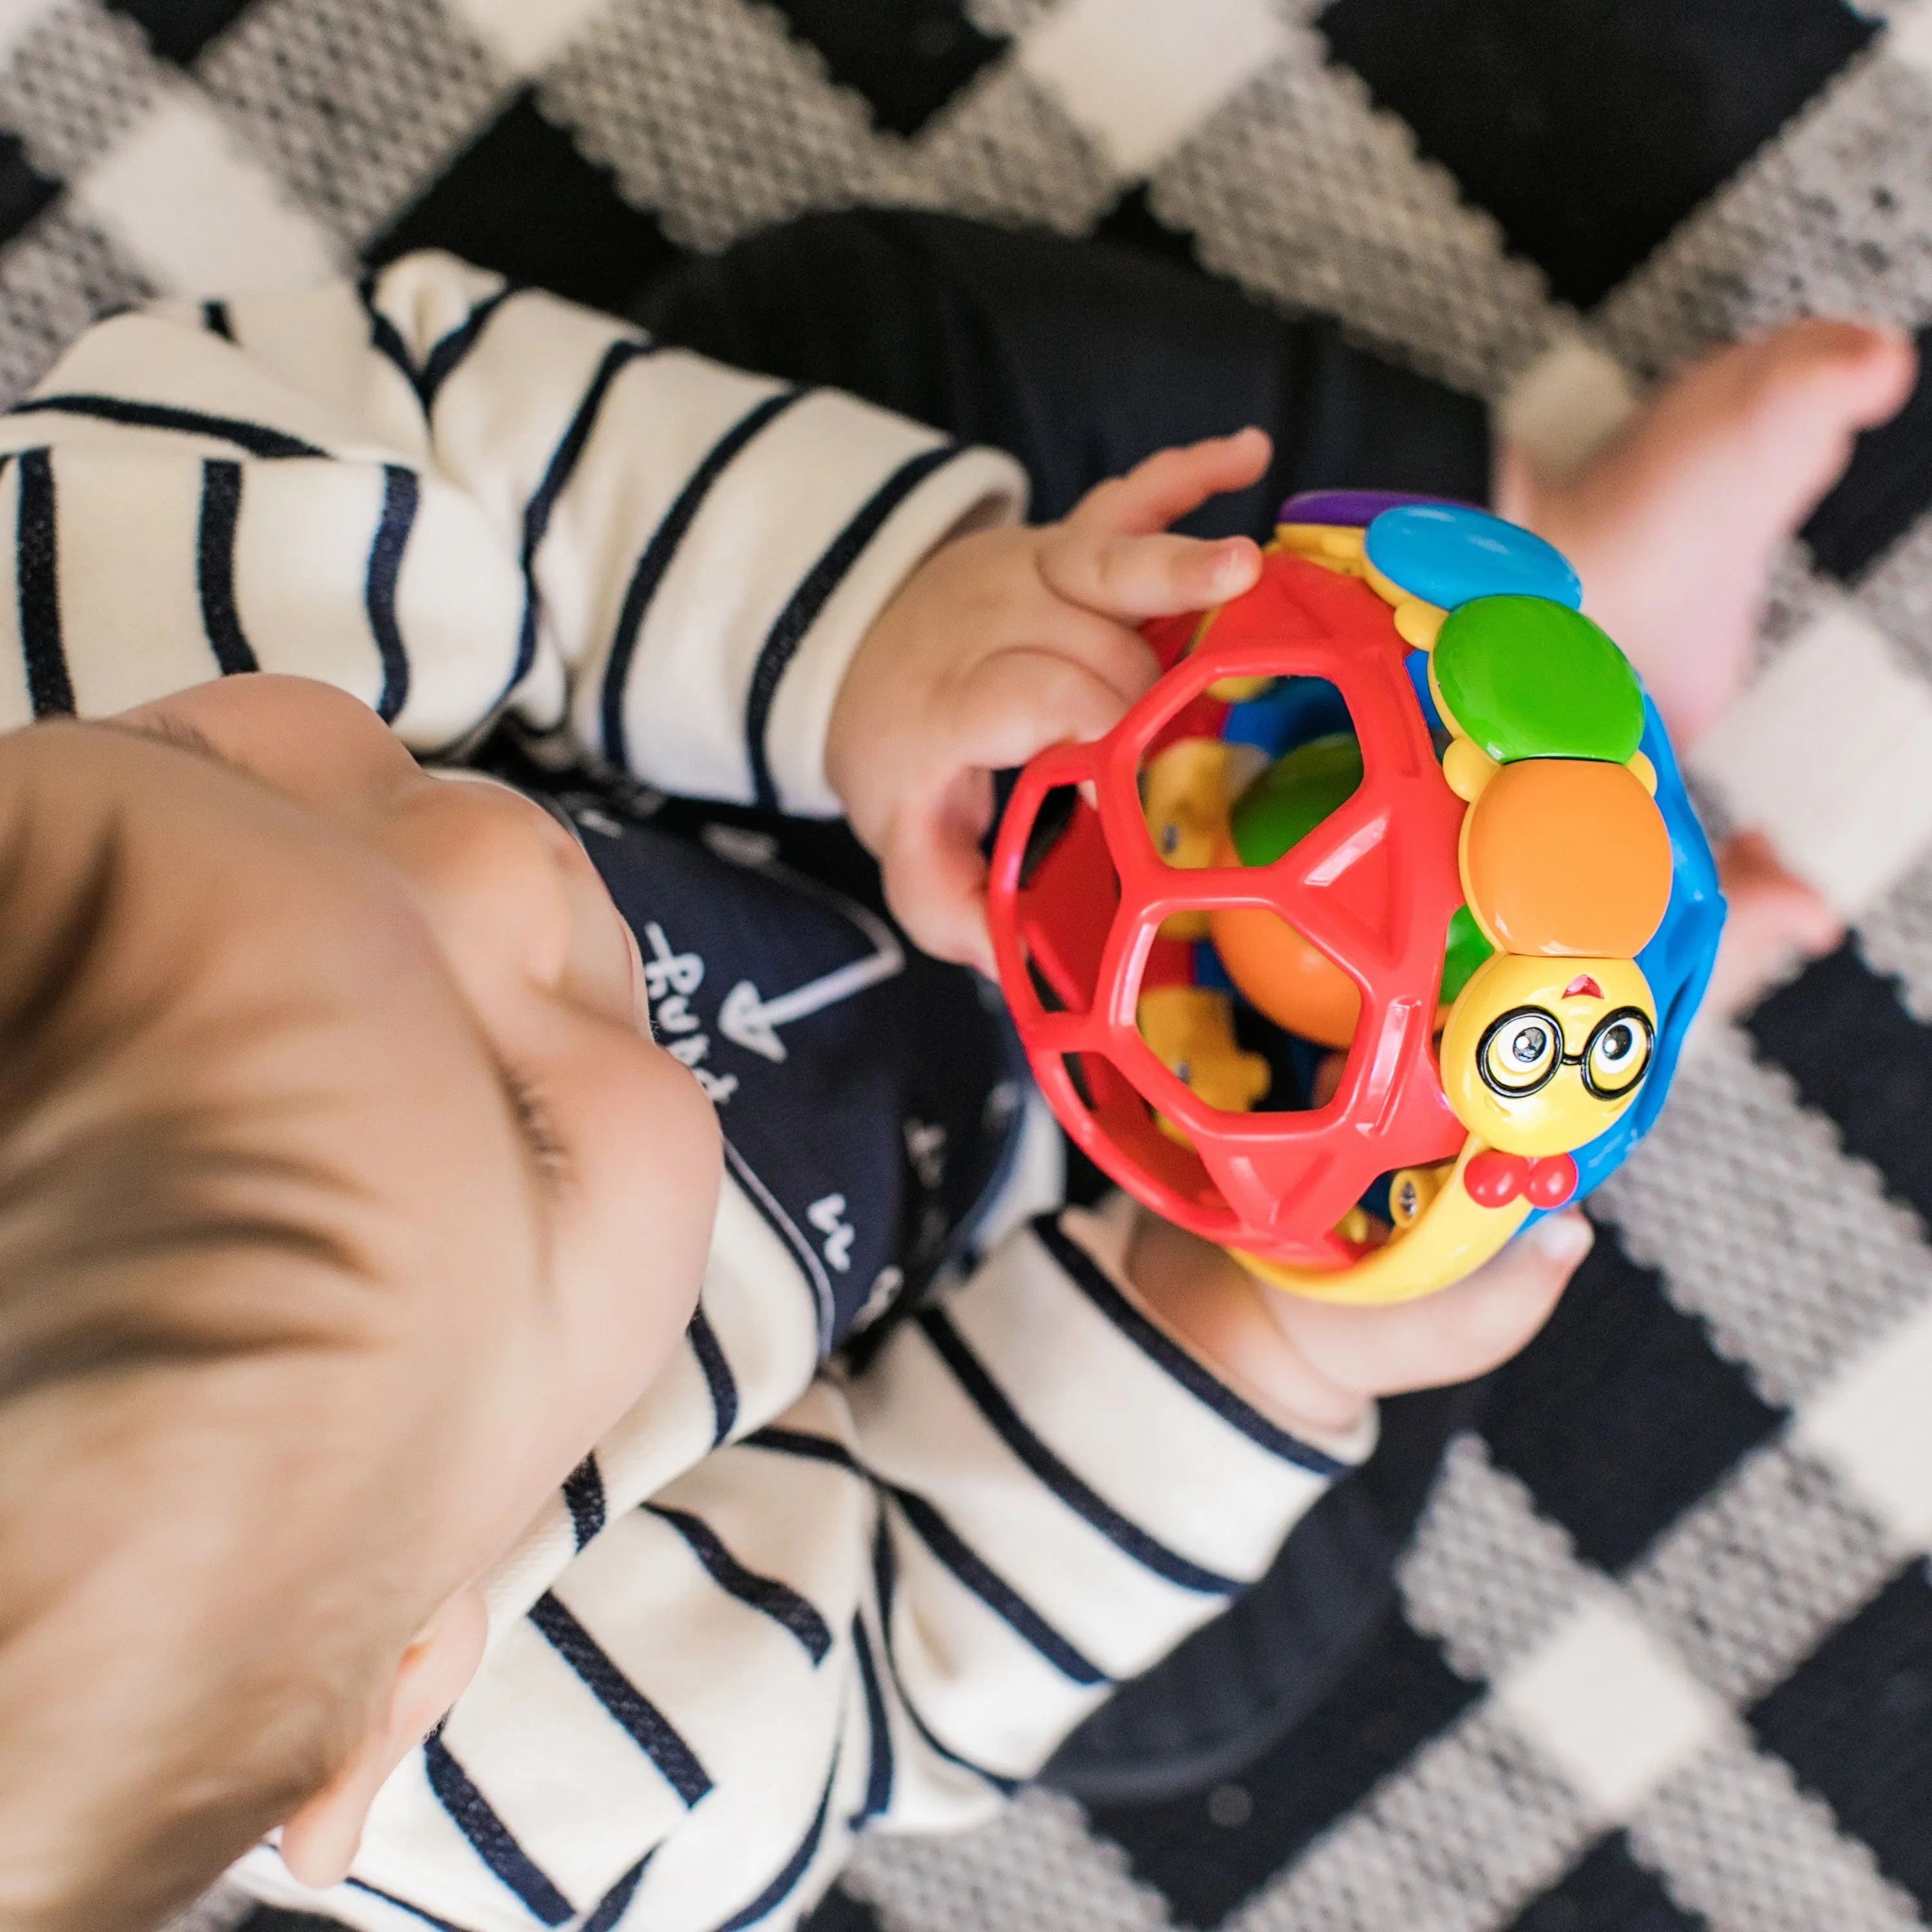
1446,555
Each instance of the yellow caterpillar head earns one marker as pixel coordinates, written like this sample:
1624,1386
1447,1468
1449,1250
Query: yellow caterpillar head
1541,1055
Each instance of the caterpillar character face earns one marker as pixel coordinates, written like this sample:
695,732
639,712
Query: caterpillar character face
1541,1055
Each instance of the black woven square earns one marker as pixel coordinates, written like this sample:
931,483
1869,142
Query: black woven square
1856,1054
838,1911
1889,483
907,57
1606,1891
23,192
1207,1851
1590,128
522,200
1132,223
1618,1415
179,29
1854,1722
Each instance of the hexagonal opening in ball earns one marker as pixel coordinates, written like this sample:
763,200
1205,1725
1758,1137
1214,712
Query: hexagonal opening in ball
1069,893
1241,784
1129,1124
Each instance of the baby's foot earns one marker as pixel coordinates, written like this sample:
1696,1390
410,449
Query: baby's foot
1774,922
1674,527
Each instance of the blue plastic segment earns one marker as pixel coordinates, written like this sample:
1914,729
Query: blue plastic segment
1416,665
1208,971
1677,962
1446,555
1291,711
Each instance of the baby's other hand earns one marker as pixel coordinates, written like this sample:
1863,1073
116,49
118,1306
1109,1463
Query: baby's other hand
1314,1367
1004,642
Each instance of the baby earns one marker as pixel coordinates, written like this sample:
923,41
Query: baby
390,1322
427,1213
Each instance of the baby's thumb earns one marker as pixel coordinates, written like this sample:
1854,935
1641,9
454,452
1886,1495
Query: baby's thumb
1513,1294
935,881
1488,1316
1016,703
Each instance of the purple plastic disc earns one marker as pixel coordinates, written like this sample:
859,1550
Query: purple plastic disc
1355,509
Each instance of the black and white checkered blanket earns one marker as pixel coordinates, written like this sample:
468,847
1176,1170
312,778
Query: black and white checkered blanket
1663,1657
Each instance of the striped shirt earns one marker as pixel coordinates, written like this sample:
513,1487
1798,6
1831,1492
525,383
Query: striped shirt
786,1598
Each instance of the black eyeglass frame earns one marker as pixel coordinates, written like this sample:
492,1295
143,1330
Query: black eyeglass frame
1562,1059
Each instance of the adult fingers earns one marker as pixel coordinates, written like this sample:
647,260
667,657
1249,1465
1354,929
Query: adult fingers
1137,577
1452,1335
1168,484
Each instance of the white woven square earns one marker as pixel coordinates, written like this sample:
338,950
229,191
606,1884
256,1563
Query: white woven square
1830,753
1873,1424
186,202
524,35
1609,1706
1139,76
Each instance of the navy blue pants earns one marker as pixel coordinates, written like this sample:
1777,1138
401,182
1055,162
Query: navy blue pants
1080,359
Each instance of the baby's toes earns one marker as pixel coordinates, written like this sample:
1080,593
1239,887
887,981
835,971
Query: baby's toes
1776,921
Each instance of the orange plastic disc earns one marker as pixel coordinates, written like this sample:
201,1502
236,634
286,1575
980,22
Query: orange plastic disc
1563,857
1286,978
1296,985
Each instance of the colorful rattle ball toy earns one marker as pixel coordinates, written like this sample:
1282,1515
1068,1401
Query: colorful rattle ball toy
1375,928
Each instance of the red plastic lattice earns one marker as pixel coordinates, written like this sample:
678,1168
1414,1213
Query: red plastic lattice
1373,886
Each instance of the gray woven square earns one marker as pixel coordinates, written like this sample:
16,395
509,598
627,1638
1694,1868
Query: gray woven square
1305,192
1744,1586
55,277
1472,1825
710,114
1896,937
1896,593
355,104
1485,1576
1736,1840
1004,151
1834,218
76,81
1035,1868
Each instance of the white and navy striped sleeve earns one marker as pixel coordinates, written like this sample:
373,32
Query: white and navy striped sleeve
448,496
777,1611
1065,1492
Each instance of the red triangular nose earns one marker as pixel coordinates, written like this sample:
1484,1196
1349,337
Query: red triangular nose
1582,983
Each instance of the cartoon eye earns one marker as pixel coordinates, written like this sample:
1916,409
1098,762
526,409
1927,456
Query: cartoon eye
1520,1051
1617,1054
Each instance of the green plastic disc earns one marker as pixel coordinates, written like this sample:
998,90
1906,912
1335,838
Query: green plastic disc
1285,802
1463,951
1527,678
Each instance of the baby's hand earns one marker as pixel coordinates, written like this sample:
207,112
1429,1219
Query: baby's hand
1002,643
1314,1367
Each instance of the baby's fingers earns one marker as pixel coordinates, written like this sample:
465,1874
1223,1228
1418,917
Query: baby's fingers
1168,484
1018,702
1132,577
